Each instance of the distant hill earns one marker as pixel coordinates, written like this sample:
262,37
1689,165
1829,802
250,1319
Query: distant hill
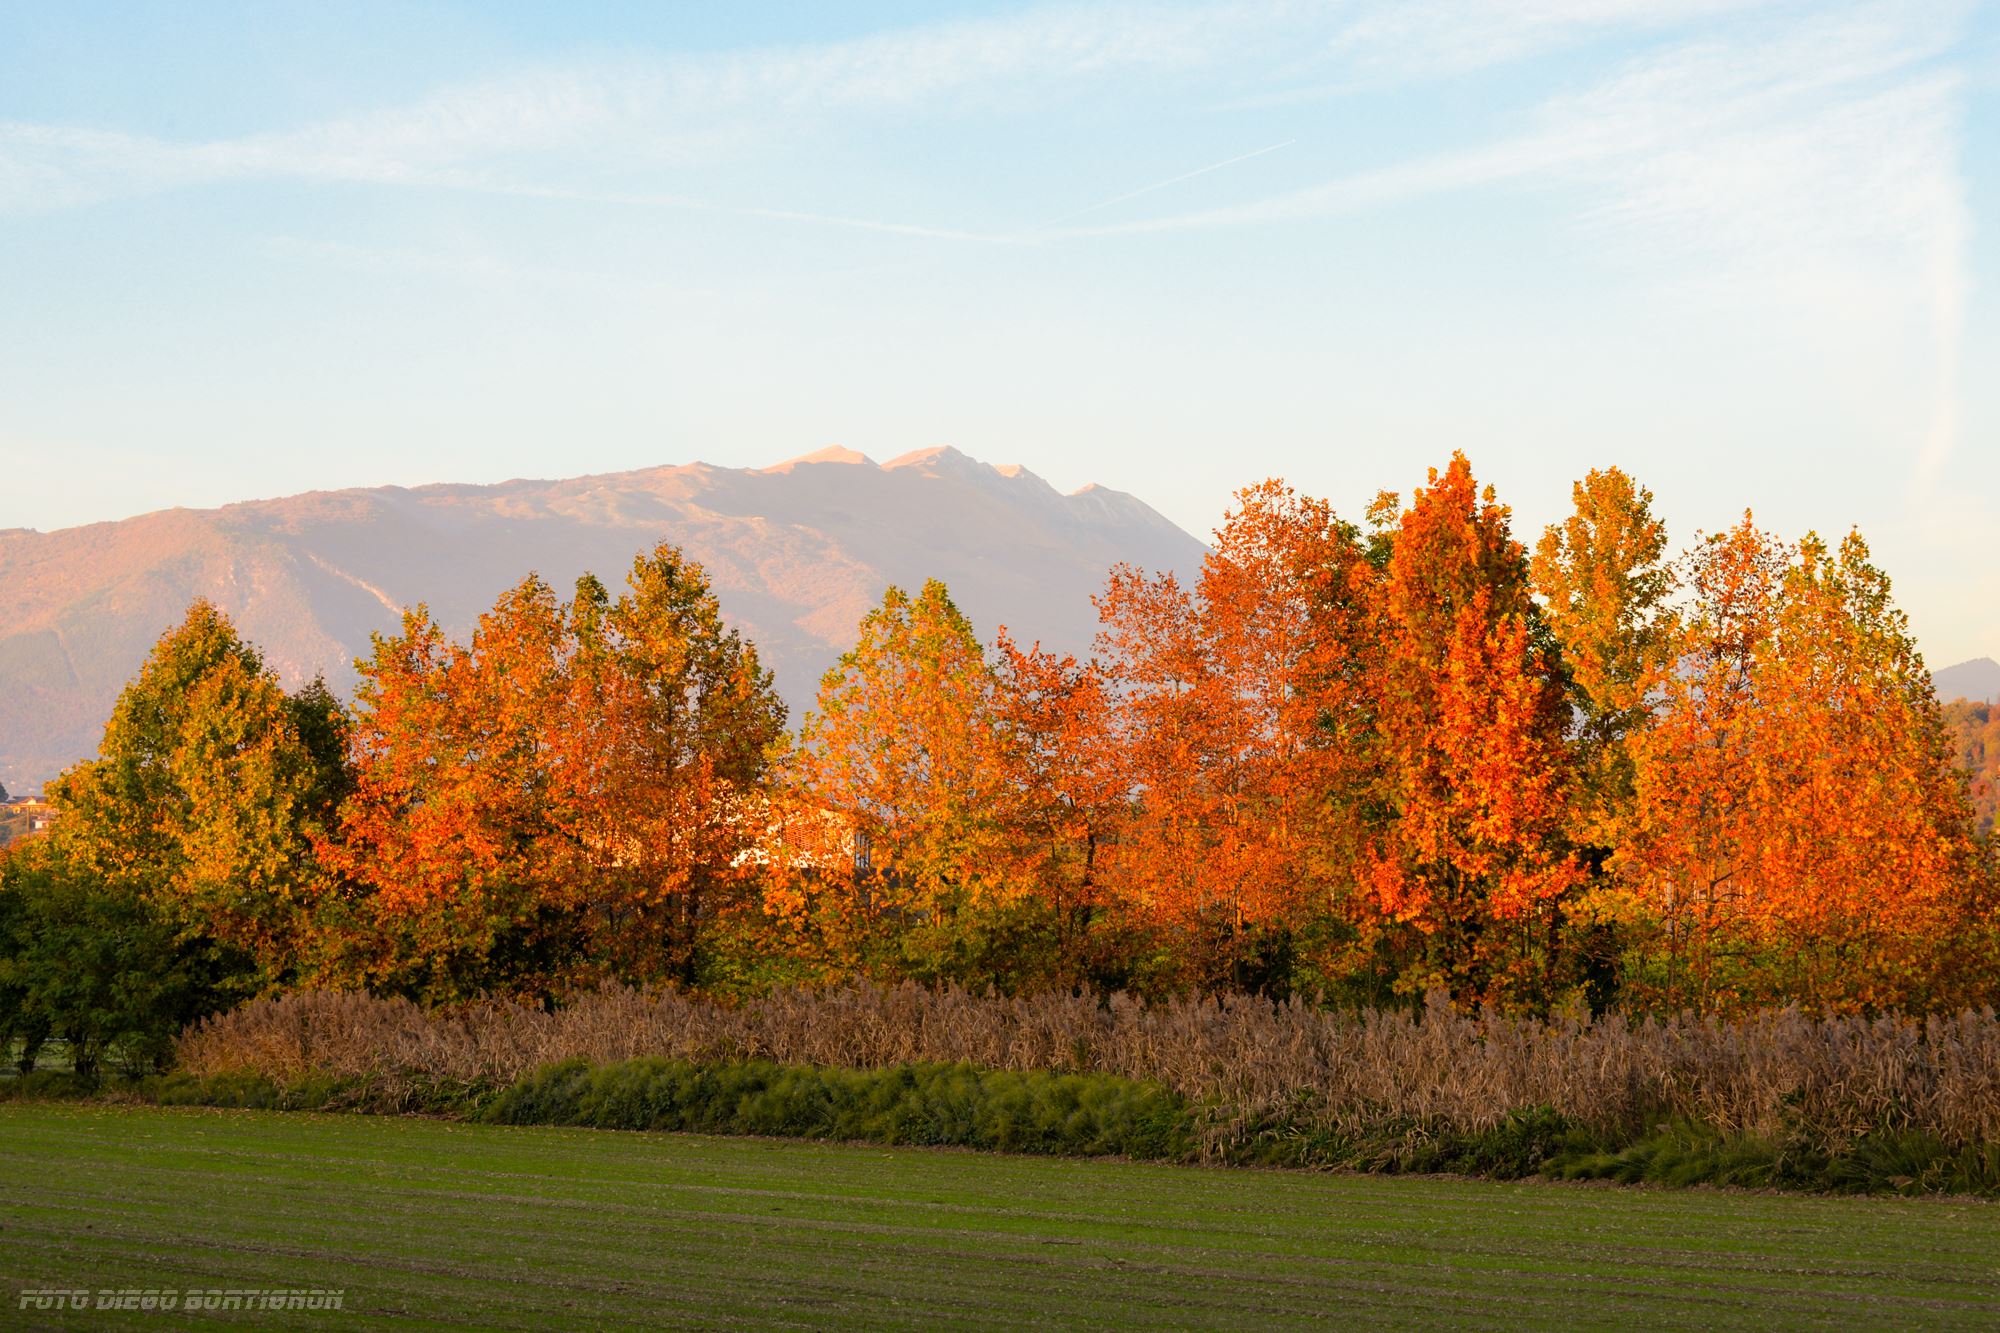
797,554
1978,680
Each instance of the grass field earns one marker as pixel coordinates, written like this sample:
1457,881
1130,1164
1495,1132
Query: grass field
432,1224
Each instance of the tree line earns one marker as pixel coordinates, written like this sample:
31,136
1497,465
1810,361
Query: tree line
1358,760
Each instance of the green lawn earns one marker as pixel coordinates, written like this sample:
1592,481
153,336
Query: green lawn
431,1224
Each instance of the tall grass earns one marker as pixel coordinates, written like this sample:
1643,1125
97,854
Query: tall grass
1253,1064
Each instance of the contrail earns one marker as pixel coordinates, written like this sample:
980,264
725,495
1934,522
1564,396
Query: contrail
1171,180
692,204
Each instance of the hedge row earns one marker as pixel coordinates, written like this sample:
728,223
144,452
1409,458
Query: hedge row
960,1105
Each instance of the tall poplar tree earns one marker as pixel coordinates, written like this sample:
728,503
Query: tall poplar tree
1604,581
906,748
1243,717
1470,851
207,786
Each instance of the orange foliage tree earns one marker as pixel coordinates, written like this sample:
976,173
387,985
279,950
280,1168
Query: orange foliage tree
1470,852
560,799
1975,729
1361,764
441,842
671,724
1071,790
1800,830
1242,717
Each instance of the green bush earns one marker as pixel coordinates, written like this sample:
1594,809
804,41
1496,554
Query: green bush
46,1085
1886,1161
244,1090
942,1105
1537,1141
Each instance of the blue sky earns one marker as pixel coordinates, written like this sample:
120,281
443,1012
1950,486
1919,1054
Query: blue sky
1745,250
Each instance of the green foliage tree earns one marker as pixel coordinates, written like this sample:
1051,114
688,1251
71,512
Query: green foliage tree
907,749
204,791
95,965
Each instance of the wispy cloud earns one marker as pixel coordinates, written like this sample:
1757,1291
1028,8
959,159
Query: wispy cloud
662,111
1664,129
697,204
1817,151
1425,38
1776,141
672,109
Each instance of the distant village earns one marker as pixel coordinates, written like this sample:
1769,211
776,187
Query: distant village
23,815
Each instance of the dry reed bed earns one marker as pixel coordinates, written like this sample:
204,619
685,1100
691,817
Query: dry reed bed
1837,1076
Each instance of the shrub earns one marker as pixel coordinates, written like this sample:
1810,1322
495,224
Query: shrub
935,1104
46,1085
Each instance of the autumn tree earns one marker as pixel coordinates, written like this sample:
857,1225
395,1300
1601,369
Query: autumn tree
1151,644
445,842
209,781
1802,831
906,750
559,799
1469,851
1975,729
1071,791
1604,583
1242,716
1692,763
670,723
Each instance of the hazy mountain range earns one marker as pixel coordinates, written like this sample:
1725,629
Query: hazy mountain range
797,554
1978,679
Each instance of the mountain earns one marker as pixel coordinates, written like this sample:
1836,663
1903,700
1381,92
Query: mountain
1978,680
797,553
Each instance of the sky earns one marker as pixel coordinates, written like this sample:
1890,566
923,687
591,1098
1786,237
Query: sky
1744,249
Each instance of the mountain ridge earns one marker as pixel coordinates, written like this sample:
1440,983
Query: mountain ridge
797,554
1977,679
